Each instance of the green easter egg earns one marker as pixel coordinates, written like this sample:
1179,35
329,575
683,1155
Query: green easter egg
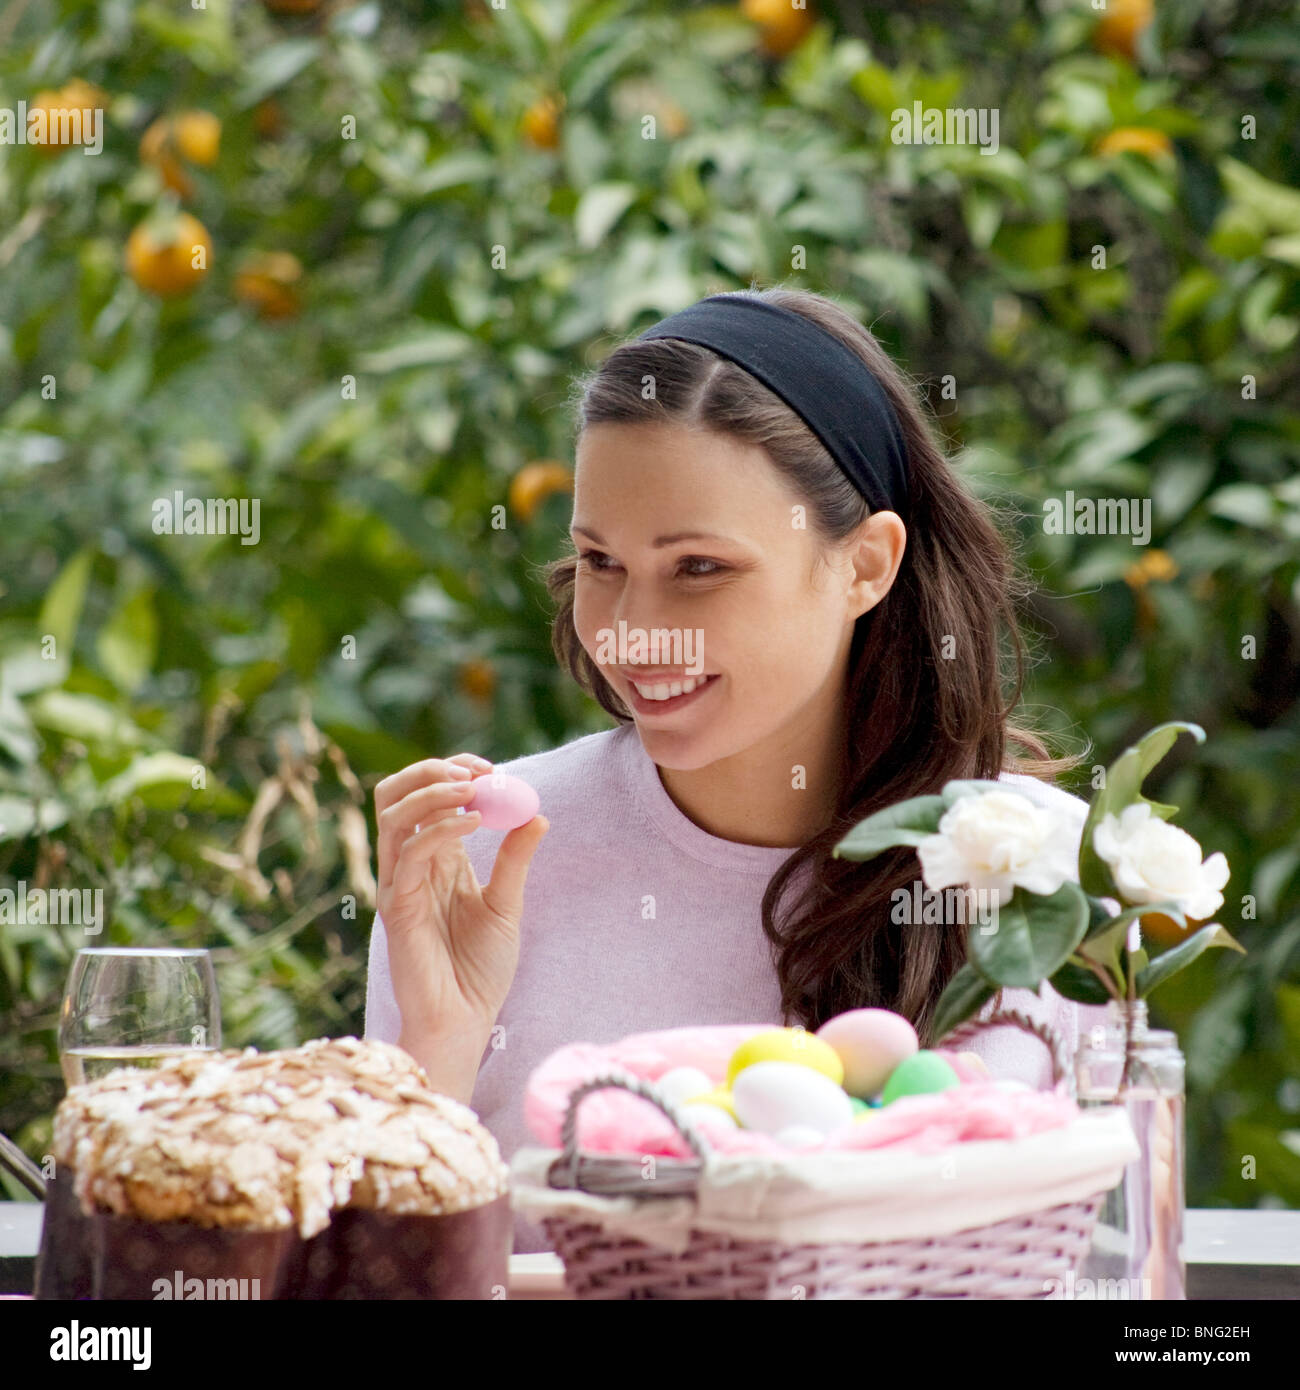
921,1074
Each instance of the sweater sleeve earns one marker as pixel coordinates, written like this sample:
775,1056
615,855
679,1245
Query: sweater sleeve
383,1018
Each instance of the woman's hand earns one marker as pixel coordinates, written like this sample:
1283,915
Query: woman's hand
453,946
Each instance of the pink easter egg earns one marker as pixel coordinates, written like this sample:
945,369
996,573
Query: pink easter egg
870,1043
505,802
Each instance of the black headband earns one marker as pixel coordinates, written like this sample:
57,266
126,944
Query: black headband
826,384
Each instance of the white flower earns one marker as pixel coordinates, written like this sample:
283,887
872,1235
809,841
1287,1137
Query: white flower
1152,861
1000,841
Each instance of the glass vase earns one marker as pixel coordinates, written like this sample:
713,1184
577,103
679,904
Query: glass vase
1138,1239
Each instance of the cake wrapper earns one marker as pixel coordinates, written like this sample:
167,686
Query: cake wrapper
360,1255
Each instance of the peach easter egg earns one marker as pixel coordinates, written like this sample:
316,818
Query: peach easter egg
870,1043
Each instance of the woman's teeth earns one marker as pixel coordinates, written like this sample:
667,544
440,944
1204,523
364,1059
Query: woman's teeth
666,692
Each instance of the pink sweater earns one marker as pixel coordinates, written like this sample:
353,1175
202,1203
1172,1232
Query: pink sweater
635,920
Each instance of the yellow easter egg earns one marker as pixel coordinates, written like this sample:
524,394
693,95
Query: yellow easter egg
974,1060
787,1045
721,1098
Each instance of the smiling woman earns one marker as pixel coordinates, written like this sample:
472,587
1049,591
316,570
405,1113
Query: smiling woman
809,610
859,657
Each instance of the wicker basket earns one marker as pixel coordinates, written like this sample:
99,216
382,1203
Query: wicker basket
1023,1257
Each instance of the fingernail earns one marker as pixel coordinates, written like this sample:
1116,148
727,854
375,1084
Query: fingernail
460,770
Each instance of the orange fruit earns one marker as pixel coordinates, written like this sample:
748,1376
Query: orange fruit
74,95
292,6
782,27
46,101
156,148
675,121
160,254
1141,139
1120,28
193,136
198,137
1164,931
1155,564
541,122
266,281
478,679
534,483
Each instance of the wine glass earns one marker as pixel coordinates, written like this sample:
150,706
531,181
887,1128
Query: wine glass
134,1006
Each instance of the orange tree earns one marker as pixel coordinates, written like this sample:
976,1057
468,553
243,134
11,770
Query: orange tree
338,263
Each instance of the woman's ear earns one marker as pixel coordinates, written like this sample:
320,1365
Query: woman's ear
878,553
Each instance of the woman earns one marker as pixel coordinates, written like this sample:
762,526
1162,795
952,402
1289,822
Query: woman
759,498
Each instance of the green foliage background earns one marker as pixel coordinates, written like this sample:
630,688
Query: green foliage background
461,275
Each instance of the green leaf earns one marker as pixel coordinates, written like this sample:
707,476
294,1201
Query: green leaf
1033,936
1031,246
434,346
18,816
875,85
1173,960
1122,788
127,644
1105,943
61,611
166,780
1077,982
1276,205
17,737
453,171
599,210
270,68
982,211
84,717
964,995
897,280
24,670
1284,248
907,823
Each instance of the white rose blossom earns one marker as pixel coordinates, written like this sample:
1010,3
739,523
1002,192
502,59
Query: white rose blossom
1000,841
1152,861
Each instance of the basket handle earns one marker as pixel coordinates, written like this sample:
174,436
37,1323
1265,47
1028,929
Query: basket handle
1042,1031
564,1171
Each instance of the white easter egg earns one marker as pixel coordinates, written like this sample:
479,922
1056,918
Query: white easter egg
772,1096
710,1114
1010,1083
683,1083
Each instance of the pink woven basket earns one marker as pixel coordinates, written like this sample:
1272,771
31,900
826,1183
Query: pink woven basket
1024,1257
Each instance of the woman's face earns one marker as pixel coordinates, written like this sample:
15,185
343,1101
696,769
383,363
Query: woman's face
698,538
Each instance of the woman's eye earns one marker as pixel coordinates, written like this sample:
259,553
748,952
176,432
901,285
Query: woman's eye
596,560
700,560
593,558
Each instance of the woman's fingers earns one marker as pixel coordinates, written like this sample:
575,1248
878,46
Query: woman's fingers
422,807
392,789
504,892
411,868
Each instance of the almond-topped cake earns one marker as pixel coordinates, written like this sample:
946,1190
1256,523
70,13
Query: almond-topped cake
268,1140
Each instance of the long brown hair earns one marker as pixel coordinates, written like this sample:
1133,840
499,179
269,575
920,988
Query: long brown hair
921,710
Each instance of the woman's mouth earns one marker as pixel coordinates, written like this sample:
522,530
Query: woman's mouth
667,695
